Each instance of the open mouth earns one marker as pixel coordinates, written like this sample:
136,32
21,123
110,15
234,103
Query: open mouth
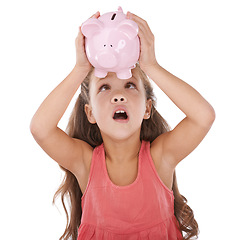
120,115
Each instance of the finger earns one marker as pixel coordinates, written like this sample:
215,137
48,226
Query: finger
80,38
146,29
80,35
96,15
134,17
141,23
142,35
138,20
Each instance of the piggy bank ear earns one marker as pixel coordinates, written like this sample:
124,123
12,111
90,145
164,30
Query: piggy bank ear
91,26
129,27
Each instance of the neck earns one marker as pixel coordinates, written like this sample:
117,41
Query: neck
120,151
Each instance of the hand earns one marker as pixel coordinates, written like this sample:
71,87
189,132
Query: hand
147,57
81,58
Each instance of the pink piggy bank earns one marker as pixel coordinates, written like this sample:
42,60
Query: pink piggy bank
112,44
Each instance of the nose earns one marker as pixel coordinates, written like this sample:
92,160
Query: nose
118,98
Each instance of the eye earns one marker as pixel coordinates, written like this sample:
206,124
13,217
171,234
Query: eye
104,87
131,85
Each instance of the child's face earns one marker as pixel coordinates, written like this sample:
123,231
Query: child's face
118,106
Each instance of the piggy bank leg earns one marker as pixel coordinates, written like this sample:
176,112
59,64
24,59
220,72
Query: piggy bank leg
124,74
100,73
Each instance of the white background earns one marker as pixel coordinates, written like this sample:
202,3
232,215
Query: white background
197,41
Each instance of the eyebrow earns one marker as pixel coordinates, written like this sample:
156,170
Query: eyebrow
101,81
102,85
134,79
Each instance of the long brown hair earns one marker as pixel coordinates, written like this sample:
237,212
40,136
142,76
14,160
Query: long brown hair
79,127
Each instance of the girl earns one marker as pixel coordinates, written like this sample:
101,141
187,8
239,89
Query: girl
119,154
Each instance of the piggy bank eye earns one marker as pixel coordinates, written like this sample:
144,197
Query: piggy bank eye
113,16
104,45
111,45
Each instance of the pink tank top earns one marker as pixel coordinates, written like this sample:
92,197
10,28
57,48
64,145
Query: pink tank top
141,210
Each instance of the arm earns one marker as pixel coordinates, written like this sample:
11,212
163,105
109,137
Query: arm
185,137
68,152
55,142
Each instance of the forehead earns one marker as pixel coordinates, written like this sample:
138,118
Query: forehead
113,79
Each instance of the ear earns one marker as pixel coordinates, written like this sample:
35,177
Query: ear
147,114
129,27
89,113
91,26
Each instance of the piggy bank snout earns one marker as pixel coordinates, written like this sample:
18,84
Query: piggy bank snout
107,60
